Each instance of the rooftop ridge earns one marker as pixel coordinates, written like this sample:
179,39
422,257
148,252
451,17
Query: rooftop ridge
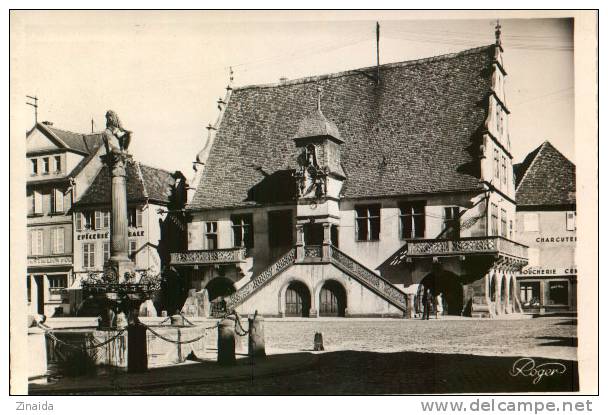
357,71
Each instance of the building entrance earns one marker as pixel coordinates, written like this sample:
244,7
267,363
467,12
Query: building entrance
332,301
297,300
447,293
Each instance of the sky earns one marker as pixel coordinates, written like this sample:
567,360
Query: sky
163,72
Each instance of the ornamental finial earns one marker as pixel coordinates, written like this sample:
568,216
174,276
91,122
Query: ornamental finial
497,33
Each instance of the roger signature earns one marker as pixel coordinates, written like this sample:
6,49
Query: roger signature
526,366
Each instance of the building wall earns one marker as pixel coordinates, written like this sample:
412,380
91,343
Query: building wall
552,251
147,237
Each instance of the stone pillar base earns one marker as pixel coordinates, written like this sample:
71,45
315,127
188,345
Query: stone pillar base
118,266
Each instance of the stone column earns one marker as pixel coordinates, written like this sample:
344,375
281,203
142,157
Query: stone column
119,262
326,240
300,241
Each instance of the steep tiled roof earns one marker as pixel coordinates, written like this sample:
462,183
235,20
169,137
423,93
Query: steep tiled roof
415,132
143,183
545,177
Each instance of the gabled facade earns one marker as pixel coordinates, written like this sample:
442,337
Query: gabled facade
156,222
61,165
546,221
336,195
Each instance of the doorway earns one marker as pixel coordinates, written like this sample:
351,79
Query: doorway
313,234
280,232
297,300
39,293
446,288
332,300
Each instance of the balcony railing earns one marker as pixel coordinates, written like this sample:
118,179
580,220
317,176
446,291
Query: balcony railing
209,256
466,246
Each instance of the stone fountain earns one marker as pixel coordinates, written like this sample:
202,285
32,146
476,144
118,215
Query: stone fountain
119,289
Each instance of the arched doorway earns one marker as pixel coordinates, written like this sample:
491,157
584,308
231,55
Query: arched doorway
447,285
332,300
297,300
217,289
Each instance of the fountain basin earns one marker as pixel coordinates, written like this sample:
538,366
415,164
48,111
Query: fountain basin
166,345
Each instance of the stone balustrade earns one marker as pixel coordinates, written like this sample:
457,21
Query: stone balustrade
210,256
466,246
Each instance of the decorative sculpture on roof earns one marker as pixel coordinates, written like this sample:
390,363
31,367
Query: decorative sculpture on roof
311,179
115,137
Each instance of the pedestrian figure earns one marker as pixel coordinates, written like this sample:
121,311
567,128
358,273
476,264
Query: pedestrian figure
427,301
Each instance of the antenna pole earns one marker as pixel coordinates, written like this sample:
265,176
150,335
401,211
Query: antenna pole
377,53
92,123
35,105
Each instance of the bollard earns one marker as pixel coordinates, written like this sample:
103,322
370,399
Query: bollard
319,342
177,320
36,349
257,347
137,349
226,342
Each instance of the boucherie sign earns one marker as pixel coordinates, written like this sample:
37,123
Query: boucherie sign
106,235
531,271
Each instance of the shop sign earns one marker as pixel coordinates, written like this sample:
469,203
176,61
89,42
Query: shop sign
540,271
555,239
106,235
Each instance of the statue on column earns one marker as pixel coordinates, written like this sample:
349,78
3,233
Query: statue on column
115,137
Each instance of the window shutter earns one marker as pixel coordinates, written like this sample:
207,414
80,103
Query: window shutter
98,221
139,220
570,221
78,221
54,240
37,202
58,200
59,240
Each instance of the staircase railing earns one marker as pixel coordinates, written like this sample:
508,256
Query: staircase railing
364,275
246,290
369,278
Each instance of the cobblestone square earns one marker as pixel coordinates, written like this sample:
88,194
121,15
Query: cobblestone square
370,356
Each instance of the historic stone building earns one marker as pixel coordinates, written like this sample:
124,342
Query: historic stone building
61,166
546,222
156,222
351,195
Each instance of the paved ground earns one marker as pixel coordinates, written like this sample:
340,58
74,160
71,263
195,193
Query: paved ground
373,356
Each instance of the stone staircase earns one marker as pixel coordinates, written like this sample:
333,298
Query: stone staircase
339,259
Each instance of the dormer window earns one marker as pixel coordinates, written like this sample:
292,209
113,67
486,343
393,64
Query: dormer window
46,165
57,164
34,167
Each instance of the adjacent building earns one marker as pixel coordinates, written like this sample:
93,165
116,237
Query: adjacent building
355,193
156,222
546,222
61,165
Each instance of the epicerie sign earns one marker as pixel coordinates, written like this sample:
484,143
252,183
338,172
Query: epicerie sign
549,271
106,235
